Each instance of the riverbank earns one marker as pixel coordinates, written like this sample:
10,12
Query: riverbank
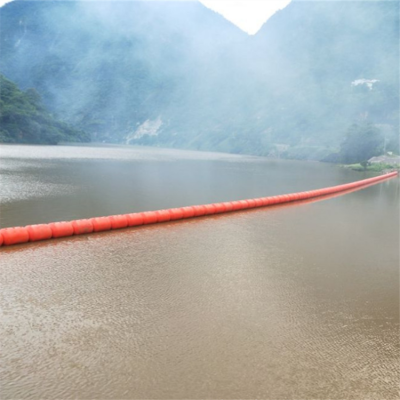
376,167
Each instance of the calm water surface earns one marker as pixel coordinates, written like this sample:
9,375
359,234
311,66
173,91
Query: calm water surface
286,302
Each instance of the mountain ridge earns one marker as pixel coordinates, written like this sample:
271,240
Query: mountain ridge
115,71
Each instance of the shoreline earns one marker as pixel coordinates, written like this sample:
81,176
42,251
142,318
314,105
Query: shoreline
376,167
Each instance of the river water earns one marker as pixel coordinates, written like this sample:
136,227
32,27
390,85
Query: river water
287,302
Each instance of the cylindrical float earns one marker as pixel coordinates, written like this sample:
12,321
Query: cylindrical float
135,219
39,232
163,216
101,224
61,229
149,217
33,233
175,214
15,235
118,221
82,226
188,212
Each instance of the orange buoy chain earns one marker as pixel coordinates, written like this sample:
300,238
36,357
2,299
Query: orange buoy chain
33,233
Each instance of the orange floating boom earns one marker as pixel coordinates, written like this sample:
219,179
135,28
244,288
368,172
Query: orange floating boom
33,233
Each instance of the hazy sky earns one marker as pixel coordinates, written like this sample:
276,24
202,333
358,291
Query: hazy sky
248,15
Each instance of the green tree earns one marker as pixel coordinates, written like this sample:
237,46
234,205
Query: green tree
362,142
23,118
34,97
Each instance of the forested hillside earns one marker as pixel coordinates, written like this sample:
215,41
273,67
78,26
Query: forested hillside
177,74
23,119
329,65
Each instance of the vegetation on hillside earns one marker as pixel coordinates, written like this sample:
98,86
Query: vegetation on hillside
378,168
23,119
177,74
362,142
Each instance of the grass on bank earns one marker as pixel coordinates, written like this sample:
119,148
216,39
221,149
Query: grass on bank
376,167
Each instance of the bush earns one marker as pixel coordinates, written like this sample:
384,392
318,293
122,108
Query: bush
361,143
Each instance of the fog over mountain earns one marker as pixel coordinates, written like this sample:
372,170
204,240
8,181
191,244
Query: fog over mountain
176,74
23,119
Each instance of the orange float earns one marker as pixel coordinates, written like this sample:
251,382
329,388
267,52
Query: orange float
118,221
199,211
61,229
163,215
188,212
135,219
33,233
82,226
101,224
149,217
210,209
39,232
15,235
176,213
228,206
219,208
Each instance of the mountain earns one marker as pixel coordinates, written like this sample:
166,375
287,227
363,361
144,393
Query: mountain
335,63
177,74
23,119
109,67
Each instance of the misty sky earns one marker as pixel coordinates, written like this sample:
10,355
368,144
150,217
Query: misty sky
248,15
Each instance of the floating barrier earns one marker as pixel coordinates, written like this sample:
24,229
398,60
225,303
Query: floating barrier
33,233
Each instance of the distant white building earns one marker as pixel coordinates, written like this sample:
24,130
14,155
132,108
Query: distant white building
385,159
368,82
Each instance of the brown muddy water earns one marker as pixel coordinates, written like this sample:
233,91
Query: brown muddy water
288,302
